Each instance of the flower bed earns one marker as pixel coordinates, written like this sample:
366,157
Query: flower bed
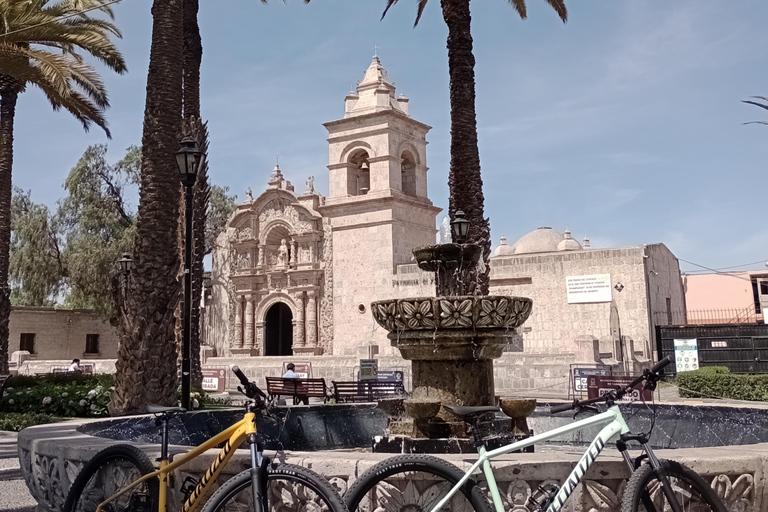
59,395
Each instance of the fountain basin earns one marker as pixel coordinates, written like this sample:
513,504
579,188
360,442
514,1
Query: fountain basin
431,257
422,410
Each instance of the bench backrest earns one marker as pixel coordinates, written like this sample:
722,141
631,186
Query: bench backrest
279,386
366,390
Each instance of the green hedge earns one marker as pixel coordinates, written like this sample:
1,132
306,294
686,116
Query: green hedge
65,396
15,422
718,382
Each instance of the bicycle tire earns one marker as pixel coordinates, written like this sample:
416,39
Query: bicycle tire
644,485
358,498
238,489
119,457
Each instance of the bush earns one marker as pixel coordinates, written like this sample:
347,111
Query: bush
81,396
718,382
15,422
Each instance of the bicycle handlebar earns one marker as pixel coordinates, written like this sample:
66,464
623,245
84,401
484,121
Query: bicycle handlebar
617,393
251,389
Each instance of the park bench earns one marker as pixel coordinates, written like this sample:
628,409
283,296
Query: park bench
3,381
366,390
300,389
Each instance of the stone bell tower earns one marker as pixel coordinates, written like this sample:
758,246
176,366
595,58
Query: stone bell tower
378,204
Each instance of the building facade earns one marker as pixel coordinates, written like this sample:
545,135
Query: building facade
726,297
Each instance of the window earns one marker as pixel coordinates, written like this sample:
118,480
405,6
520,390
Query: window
669,311
756,295
91,343
27,342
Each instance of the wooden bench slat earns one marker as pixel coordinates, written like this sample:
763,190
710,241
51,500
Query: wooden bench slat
297,388
366,390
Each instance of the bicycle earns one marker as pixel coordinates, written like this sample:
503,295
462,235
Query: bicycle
121,477
434,485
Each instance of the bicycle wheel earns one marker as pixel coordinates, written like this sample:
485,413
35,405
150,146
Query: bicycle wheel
692,493
110,471
413,483
289,489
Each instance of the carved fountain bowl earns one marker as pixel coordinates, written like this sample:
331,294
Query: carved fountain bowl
517,408
462,312
429,257
422,410
468,327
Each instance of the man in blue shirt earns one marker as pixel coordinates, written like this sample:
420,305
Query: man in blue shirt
290,374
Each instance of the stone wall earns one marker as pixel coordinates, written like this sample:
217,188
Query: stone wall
555,324
61,333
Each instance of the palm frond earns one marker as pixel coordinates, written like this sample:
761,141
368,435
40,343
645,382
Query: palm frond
560,9
757,122
421,6
756,103
390,3
520,7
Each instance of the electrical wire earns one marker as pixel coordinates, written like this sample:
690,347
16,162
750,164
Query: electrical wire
716,271
733,267
78,13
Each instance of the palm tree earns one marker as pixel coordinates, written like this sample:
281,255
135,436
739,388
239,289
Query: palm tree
41,44
464,179
146,369
762,104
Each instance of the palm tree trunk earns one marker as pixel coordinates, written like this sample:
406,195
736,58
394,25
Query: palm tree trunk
7,114
146,365
464,181
193,55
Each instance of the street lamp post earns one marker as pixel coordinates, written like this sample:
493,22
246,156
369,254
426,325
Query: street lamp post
125,264
188,159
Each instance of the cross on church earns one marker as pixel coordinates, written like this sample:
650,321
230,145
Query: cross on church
375,50
277,159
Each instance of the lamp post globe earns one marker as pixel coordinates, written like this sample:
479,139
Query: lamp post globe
125,263
188,160
459,228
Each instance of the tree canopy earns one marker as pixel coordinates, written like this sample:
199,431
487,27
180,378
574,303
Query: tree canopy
68,256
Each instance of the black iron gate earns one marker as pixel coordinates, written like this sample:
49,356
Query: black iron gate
743,348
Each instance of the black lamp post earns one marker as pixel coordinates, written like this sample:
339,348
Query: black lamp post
459,228
125,264
188,159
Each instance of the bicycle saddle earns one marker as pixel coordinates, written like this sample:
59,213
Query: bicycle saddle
467,412
159,409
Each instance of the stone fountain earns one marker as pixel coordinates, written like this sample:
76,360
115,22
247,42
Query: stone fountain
451,340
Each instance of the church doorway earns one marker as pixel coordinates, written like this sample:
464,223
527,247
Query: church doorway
279,331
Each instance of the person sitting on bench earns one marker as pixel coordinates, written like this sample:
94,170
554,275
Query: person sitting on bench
290,374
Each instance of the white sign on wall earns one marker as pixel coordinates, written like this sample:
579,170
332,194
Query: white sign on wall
686,355
582,289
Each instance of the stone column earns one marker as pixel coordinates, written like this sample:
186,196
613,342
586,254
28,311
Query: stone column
311,319
298,329
238,322
248,322
258,347
293,253
312,244
261,256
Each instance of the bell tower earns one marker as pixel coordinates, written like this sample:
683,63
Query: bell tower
378,205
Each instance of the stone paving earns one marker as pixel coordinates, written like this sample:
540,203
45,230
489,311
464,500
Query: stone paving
14,495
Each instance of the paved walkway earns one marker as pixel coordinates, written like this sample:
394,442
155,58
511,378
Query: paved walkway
14,496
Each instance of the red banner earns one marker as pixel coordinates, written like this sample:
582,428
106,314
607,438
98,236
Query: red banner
598,385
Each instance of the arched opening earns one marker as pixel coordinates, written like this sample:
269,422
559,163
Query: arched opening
278,336
408,168
273,241
359,177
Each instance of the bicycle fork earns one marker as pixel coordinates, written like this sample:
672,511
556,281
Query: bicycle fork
259,465
656,466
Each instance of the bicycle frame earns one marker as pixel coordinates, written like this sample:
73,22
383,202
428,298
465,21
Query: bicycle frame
615,425
233,436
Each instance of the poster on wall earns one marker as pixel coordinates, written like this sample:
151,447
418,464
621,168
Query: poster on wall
584,289
303,369
687,355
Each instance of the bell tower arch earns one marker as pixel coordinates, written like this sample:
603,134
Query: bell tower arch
378,204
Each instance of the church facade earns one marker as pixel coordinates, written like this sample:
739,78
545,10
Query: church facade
295,272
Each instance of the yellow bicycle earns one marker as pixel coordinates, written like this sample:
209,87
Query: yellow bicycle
122,479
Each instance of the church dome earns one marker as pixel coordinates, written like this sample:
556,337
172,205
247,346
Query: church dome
568,243
543,239
503,249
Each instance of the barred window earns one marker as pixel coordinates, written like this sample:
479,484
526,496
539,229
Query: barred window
27,342
91,343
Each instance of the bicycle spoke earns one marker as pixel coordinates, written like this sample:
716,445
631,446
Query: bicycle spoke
685,495
412,491
110,479
283,496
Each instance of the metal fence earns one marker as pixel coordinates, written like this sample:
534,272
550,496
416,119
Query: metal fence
708,316
742,348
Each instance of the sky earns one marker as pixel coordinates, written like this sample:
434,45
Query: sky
624,124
